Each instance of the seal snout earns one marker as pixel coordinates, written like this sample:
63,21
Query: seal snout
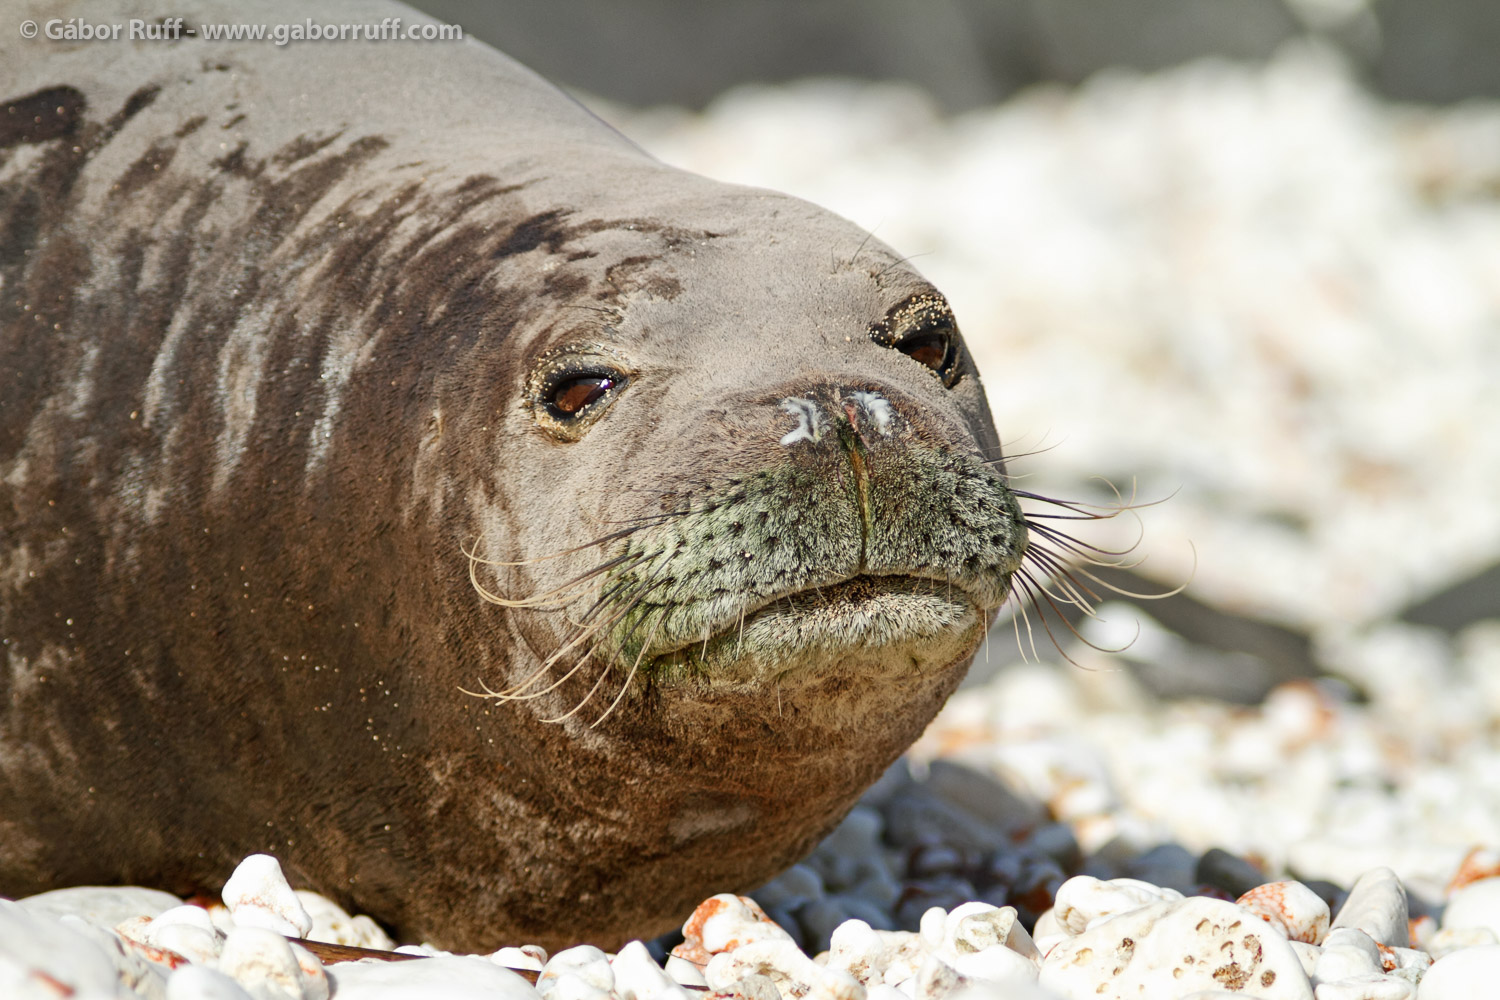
866,528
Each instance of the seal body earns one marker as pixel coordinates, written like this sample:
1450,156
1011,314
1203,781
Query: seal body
403,474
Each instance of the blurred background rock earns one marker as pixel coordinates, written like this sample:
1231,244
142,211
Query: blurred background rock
969,53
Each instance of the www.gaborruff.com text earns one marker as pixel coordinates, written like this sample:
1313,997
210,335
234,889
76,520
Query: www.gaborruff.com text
390,29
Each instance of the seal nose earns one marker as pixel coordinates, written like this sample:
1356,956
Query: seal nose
865,413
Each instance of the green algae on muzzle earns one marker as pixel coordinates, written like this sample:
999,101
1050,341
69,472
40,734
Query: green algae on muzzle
790,566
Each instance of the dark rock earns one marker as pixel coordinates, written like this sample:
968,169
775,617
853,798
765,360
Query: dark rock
1437,51
1077,38
1229,872
965,53
920,895
1459,605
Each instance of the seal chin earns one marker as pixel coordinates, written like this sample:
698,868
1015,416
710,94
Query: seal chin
867,622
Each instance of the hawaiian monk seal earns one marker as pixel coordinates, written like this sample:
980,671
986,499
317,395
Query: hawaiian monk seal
404,474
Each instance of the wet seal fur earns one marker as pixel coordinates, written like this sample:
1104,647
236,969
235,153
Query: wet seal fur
337,381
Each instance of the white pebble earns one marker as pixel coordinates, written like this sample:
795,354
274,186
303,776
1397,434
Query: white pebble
571,986
996,965
1377,905
722,923
1447,941
332,924
102,906
193,943
638,977
583,963
1411,963
875,957
1372,986
1083,901
1347,954
256,958
1473,906
453,977
1308,953
315,985
1166,949
936,980
185,915
1291,906
684,972
1462,975
783,963
976,927
199,982
530,957
188,931
257,895
933,926
42,957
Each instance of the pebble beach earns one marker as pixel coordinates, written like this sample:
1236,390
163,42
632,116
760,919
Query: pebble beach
1265,307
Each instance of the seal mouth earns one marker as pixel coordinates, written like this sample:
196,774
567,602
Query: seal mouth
868,614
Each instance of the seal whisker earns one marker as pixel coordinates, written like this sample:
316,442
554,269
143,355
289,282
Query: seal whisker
1062,576
608,666
1036,594
1023,616
1081,549
862,244
585,632
630,676
896,264
1002,456
1117,589
660,517
559,596
1046,595
1061,564
488,691
517,691
1093,511
601,540
614,590
586,698
514,693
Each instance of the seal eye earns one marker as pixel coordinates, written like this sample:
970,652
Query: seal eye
573,386
922,328
933,348
571,395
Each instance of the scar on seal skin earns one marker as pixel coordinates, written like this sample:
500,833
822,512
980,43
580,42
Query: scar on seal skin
333,388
